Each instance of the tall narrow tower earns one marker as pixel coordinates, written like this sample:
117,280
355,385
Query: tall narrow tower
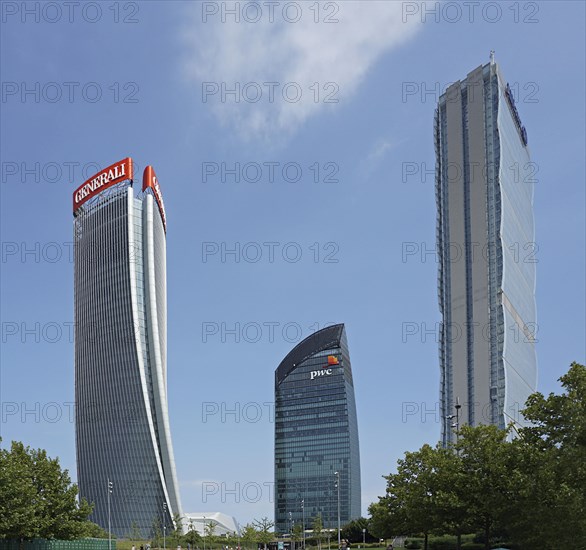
487,253
317,459
122,422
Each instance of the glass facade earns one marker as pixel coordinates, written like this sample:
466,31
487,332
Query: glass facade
122,425
316,434
486,249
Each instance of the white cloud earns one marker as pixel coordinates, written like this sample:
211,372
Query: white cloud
303,53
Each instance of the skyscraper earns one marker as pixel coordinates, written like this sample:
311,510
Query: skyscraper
122,423
316,434
486,249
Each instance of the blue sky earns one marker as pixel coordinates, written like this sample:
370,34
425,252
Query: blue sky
340,252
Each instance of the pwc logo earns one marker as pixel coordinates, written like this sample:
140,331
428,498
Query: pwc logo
326,370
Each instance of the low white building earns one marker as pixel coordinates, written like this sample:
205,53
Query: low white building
223,523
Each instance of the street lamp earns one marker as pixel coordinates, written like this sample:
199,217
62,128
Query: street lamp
291,530
303,520
456,416
204,533
337,474
164,525
110,487
364,537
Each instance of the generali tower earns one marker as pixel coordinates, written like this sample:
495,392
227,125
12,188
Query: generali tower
125,460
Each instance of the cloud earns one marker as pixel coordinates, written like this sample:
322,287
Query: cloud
318,65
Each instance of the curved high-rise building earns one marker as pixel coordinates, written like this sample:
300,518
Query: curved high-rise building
486,249
317,458
122,424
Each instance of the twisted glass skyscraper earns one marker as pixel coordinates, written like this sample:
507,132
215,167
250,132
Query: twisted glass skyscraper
486,249
316,434
122,423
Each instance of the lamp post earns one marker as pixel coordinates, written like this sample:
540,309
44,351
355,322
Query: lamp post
204,533
110,487
164,525
303,520
291,530
337,474
364,537
190,532
456,416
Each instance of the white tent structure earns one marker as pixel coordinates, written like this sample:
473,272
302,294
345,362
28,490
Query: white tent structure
223,523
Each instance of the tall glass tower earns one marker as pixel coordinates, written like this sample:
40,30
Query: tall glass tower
317,459
125,461
486,249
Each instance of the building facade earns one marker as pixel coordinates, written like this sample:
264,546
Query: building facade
125,461
487,254
317,458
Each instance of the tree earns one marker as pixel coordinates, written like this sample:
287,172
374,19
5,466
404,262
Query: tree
37,498
134,533
264,530
156,532
413,492
551,458
531,488
297,534
94,531
209,530
318,527
486,484
176,535
424,496
192,537
380,524
249,534
353,531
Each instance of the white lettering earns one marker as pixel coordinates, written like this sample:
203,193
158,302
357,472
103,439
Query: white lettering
322,372
100,180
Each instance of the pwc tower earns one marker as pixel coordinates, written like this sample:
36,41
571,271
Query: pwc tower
317,457
125,460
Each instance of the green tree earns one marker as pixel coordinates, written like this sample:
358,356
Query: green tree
156,532
192,537
209,530
175,536
421,497
94,531
264,528
415,489
486,484
134,533
353,531
318,527
250,535
551,458
37,498
297,534
380,523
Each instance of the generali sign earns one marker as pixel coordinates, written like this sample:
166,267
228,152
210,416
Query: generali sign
112,175
149,179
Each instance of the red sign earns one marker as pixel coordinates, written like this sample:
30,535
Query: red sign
112,175
149,179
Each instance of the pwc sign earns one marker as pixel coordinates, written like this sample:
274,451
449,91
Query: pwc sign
112,175
326,369
149,180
